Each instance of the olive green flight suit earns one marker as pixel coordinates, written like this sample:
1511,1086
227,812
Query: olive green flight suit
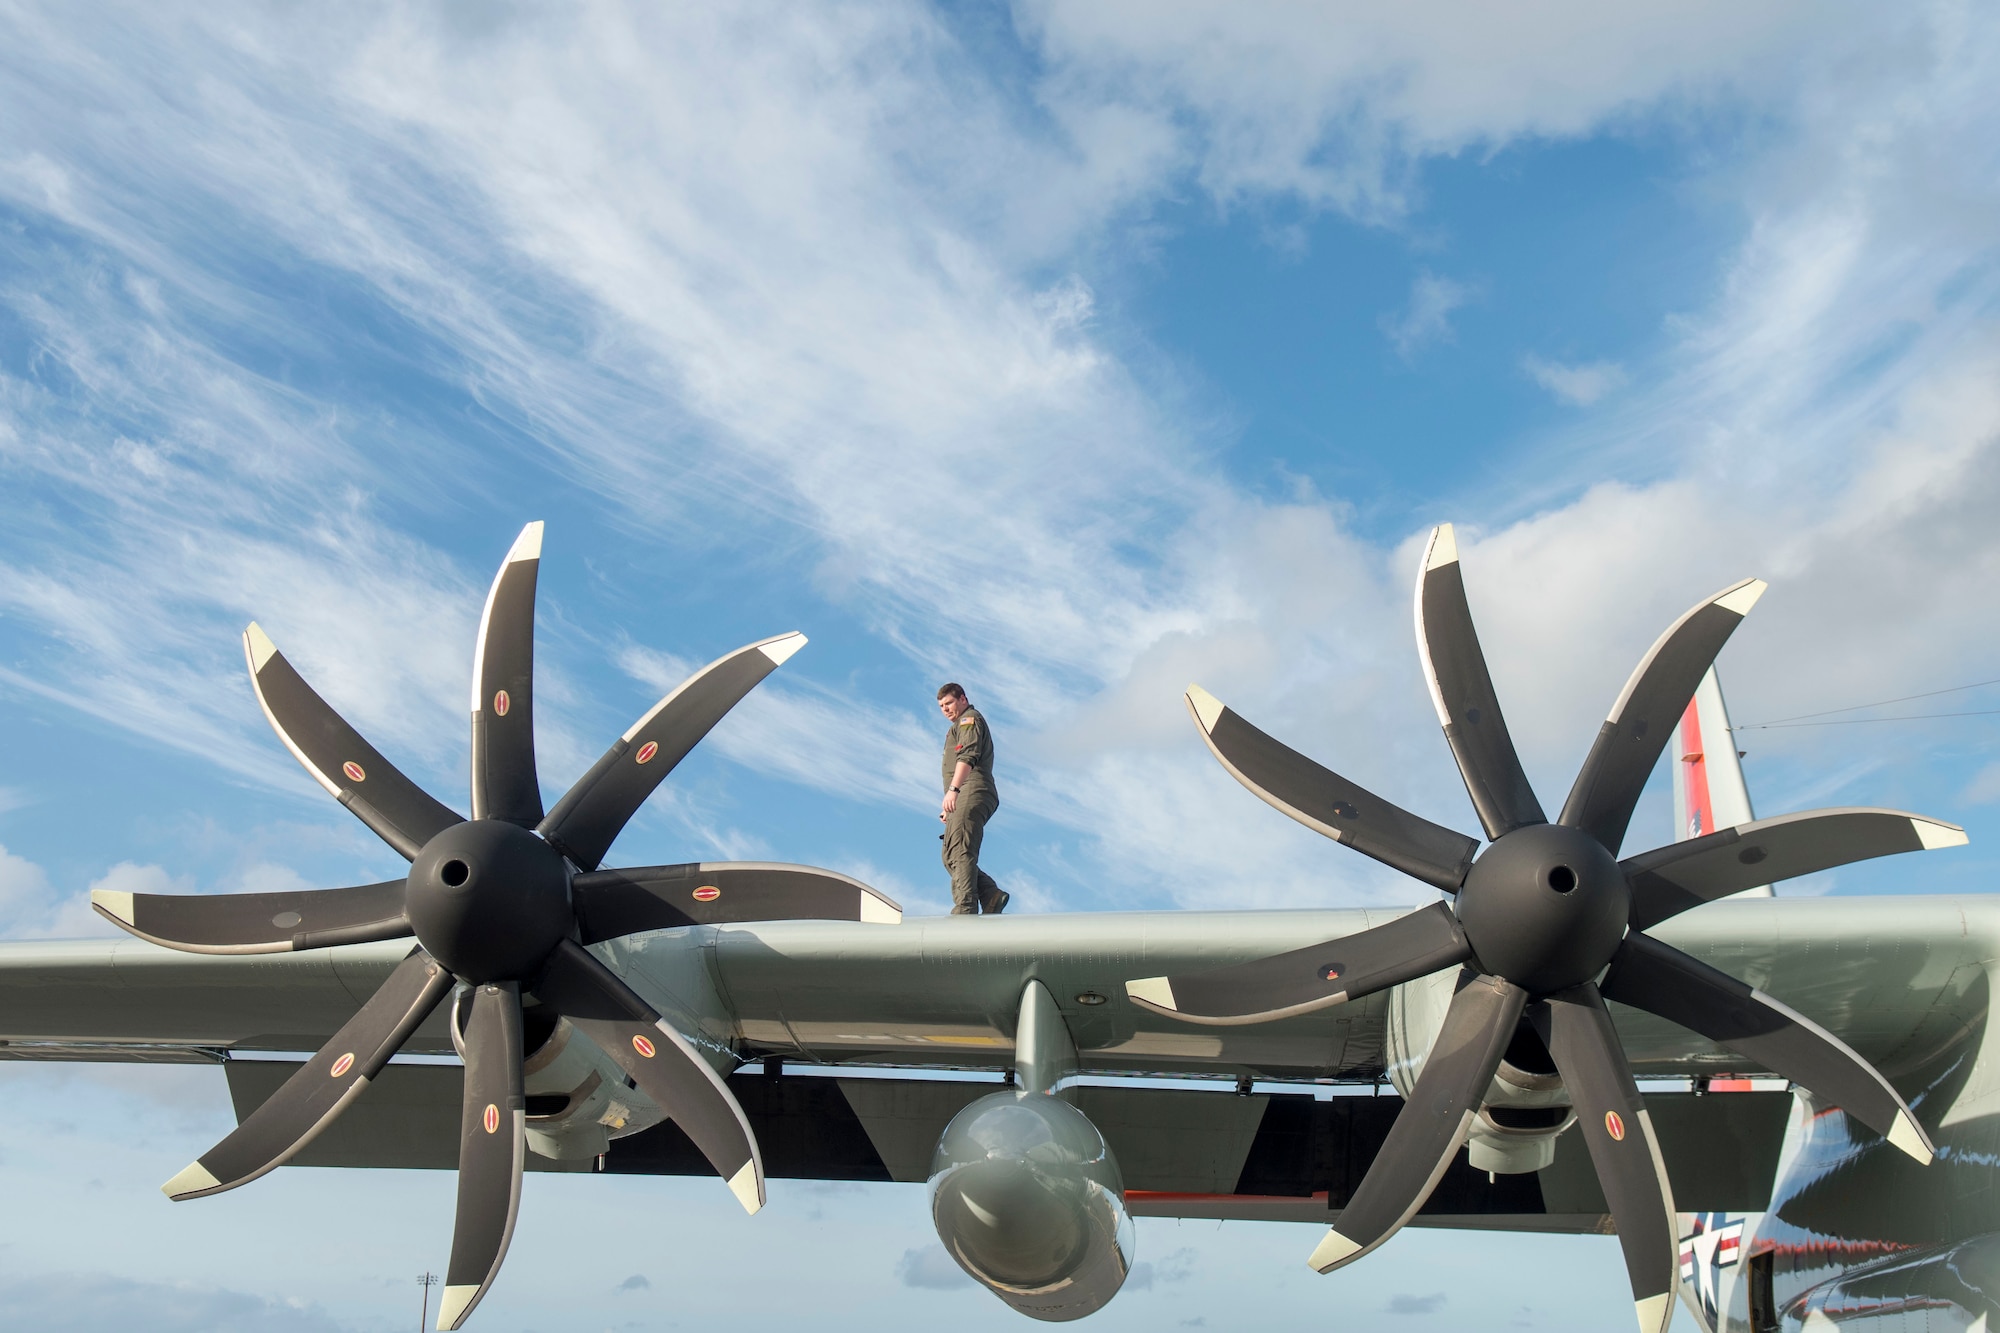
968,740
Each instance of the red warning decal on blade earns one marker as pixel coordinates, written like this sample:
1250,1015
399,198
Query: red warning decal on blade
642,1046
647,751
342,1065
1614,1125
492,1118
353,771
707,893
500,702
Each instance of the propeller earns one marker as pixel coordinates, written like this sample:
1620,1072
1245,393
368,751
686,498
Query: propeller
500,906
1546,923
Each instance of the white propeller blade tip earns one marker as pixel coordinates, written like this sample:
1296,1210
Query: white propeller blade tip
527,546
1332,1252
747,1188
1205,706
1154,991
1908,1135
1934,834
1443,549
1742,597
876,911
455,1306
114,904
1653,1312
258,647
194,1179
781,648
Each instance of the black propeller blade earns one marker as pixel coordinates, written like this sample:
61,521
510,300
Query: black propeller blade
1668,880
1630,741
1462,693
1660,979
497,903
504,785
1432,1126
1619,1133
1537,916
310,1099
660,1061
354,772
259,922
492,1144
1327,803
590,815
610,903
1427,940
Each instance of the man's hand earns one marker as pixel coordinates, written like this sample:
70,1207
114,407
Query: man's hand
950,804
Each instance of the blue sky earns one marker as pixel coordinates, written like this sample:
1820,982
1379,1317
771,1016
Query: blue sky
1071,351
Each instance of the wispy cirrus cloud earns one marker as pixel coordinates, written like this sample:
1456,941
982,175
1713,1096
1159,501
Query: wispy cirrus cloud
1426,317
750,285
1579,384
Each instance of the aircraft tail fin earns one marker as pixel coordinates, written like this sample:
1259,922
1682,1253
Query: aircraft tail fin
1709,792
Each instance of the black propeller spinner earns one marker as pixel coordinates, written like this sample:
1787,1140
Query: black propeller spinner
1541,915
503,903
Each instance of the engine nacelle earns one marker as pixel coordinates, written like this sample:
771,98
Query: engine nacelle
578,1098
1028,1199
1525,1108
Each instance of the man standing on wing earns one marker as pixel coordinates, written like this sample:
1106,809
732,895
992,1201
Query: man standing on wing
970,799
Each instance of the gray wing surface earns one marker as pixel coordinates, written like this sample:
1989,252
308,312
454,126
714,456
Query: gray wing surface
1894,978
1897,979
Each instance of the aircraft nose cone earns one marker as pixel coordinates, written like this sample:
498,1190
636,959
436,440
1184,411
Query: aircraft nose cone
1544,907
489,900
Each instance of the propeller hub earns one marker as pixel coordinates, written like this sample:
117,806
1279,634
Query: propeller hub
1544,907
489,900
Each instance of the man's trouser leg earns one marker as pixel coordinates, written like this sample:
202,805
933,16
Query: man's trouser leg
963,833
989,894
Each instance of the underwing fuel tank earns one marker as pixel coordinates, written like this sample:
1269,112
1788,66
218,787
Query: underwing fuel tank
1025,1192
1028,1199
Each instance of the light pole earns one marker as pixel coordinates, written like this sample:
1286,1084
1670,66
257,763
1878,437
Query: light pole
427,1281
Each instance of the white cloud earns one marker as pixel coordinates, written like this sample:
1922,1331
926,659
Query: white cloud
24,886
1332,102
33,907
1579,385
756,274
1426,318
81,1302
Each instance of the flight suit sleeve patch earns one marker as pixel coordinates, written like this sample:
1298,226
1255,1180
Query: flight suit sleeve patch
971,740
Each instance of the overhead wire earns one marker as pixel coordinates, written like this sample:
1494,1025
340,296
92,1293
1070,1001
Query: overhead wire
1803,719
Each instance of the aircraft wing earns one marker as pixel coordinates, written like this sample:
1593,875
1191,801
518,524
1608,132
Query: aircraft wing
1898,979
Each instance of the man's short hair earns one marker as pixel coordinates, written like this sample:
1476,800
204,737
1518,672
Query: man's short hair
950,688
